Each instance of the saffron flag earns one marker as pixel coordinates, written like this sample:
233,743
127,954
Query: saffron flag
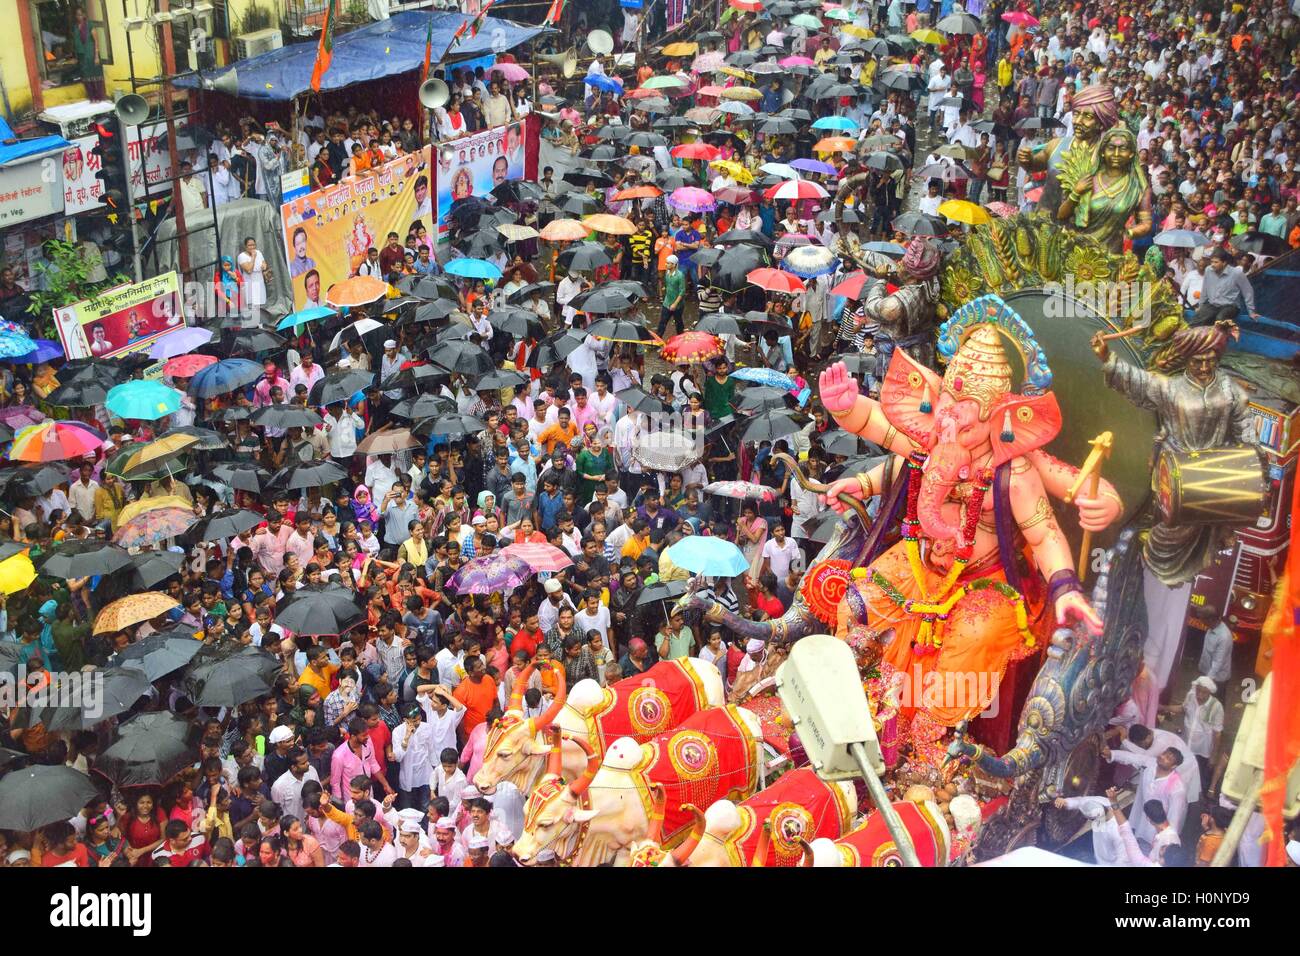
324,52
1282,742
555,12
428,51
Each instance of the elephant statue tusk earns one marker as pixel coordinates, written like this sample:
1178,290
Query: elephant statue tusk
820,488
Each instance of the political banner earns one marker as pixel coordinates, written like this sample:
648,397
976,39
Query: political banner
474,164
125,319
327,232
81,189
149,161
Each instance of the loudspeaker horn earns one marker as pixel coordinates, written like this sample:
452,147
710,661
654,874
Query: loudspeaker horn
434,93
600,42
132,109
227,83
566,61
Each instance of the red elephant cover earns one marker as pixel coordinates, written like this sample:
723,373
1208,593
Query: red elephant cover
711,756
872,845
648,704
800,806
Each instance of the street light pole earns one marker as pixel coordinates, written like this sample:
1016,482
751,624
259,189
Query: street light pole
169,113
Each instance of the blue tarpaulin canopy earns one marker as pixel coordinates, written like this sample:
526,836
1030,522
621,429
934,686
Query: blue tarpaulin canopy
27,148
380,49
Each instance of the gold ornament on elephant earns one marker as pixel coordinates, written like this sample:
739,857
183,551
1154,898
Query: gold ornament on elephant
980,370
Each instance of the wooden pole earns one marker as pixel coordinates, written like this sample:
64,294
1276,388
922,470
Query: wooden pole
1232,836
178,203
1091,472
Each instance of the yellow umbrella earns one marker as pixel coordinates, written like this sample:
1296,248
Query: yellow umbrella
133,609
681,49
149,503
853,30
16,573
157,451
614,225
742,93
738,73
960,210
734,169
932,37
517,233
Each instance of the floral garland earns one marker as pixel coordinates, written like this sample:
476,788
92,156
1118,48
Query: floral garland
935,609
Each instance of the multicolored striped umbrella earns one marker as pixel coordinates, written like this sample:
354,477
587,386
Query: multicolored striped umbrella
154,526
55,441
491,574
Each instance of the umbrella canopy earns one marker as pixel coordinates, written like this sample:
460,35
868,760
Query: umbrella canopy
328,610
185,366
564,230
180,341
469,268
836,123
36,795
919,224
713,557
225,524
285,416
55,441
1005,210
313,475
491,574
691,348
254,340
645,191
112,691
763,376
639,400
228,675
584,257
621,330
357,291
770,427
775,280
517,233
338,386
152,455
808,262
959,24
762,398
150,568
451,424
793,189
613,225
961,210
696,150
605,299
851,286
1260,243
740,489
461,356
149,750
153,526
82,394
1174,238
386,441
14,342
161,653
692,199
313,313
540,556
81,559
423,406
243,476
16,573
224,376
834,144
359,329
20,416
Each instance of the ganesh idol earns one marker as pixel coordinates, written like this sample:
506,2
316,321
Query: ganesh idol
981,560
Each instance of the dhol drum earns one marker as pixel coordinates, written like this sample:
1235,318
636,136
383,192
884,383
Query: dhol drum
1214,486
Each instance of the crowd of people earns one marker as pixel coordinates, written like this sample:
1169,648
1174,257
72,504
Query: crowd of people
362,749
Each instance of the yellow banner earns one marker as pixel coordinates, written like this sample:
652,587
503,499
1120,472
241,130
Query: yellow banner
327,232
128,318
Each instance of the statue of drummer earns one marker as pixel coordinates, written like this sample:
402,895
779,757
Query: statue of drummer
905,318
1198,409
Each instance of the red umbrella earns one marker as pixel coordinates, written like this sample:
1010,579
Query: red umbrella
851,287
689,348
637,192
776,280
735,195
540,557
183,366
695,151
796,189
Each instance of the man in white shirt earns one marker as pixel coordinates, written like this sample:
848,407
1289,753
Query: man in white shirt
1107,844
380,476
1202,722
1159,780
287,789
442,715
779,553
594,616
548,612
412,749
931,200
81,493
449,660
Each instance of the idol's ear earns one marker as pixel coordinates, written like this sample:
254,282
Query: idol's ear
908,397
1021,423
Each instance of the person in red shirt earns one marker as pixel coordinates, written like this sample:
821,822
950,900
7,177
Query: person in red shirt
180,847
381,737
527,637
64,847
766,599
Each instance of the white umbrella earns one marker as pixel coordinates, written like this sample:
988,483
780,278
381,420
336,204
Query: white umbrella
361,327
779,169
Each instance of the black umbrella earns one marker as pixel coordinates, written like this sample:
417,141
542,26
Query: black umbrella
9,548
253,340
208,439
905,82
427,287
418,374
517,190
544,289
223,525
738,261
777,126
32,481
741,58
149,750
587,176
466,213
603,153
708,257
605,299
762,398
150,568
674,176
840,442
483,244
919,224
644,140
580,204
947,172
286,416
243,476
312,475
338,386
719,323
618,134
423,406
453,424
641,401
461,356
98,694
798,114
744,236
83,394
1039,122
519,323
555,348
661,592
1260,243
34,796
856,362
230,674
500,378
161,653
232,413
584,257
327,610
849,213
620,330
884,161
80,559
771,426
435,311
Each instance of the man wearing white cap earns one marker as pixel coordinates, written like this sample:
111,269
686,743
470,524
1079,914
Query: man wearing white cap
1107,843
391,362
445,843
549,610
1202,723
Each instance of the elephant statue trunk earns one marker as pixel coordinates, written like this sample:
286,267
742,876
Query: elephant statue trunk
797,622
947,464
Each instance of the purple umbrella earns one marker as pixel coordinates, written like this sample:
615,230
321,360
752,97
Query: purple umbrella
491,574
183,341
20,416
691,199
813,166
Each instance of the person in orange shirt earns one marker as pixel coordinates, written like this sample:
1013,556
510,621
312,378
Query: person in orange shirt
664,247
360,159
478,692
562,432
552,676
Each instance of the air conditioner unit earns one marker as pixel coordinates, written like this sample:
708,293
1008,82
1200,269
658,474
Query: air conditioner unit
255,44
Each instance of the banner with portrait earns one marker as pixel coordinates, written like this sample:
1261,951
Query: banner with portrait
474,164
128,318
327,232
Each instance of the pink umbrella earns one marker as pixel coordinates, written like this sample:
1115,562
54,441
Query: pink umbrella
1020,18
708,62
540,557
20,416
513,72
775,280
1002,209
692,199
740,489
797,61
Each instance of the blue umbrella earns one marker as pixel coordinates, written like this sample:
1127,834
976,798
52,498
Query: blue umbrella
834,122
303,316
144,399
469,268
45,350
885,248
763,376
14,342
601,82
223,377
715,557
813,166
